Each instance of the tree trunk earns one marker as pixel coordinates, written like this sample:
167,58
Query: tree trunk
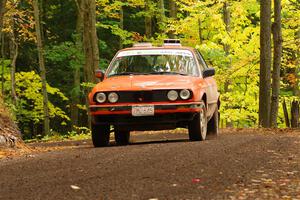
2,63
90,41
162,15
226,47
200,31
226,13
90,45
277,41
75,99
265,63
121,26
2,12
295,114
77,69
148,20
42,66
173,9
13,56
173,14
227,19
296,88
286,115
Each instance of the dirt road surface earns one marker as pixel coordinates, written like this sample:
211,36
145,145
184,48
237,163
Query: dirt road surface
159,166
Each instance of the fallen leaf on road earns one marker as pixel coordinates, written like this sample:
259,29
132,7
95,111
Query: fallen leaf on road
290,173
256,181
75,187
270,151
267,180
196,180
290,157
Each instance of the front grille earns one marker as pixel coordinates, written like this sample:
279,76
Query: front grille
142,96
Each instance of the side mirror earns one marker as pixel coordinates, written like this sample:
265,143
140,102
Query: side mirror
99,74
208,72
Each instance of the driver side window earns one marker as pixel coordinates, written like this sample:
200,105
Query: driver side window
200,60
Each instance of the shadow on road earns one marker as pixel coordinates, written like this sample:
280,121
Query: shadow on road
136,140
157,142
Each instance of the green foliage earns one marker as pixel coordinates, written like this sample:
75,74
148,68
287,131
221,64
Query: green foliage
88,85
29,107
66,52
82,134
4,63
30,104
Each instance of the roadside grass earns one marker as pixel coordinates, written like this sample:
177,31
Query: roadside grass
80,133
58,138
260,130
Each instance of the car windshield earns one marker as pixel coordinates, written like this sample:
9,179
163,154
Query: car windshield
153,61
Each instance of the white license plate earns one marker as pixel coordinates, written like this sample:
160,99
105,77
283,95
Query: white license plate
145,110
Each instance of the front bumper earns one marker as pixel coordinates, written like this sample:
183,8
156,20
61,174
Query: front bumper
145,123
165,108
166,116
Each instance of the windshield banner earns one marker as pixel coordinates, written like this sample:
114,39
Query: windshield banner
143,52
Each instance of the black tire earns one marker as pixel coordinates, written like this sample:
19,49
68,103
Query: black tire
100,135
198,126
213,124
122,137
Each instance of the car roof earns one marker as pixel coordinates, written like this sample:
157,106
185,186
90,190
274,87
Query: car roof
158,47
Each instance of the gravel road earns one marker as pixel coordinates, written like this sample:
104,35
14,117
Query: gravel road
235,165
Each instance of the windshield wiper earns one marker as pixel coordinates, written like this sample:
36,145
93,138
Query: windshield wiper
176,73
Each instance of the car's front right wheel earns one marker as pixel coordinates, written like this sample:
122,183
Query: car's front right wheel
198,126
213,124
100,135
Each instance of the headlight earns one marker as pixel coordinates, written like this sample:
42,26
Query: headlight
113,97
172,95
185,94
100,97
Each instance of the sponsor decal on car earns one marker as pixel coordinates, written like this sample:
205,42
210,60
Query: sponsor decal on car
138,52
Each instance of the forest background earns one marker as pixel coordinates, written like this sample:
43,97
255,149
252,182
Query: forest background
47,48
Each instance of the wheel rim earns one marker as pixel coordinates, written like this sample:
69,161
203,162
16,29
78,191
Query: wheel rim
203,124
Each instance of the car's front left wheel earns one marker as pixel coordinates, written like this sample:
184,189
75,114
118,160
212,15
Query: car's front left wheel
198,126
100,135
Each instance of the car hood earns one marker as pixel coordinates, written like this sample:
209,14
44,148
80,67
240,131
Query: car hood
145,82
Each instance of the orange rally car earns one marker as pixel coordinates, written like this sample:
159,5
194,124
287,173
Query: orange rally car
154,88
